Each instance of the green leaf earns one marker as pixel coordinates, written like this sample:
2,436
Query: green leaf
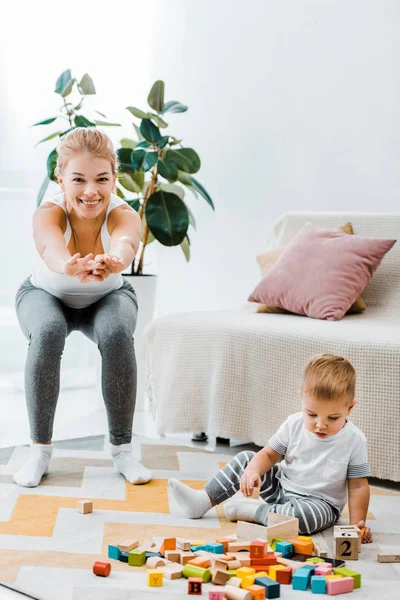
128,183
42,190
149,161
81,121
162,142
186,159
136,112
64,83
184,178
87,86
45,122
167,218
185,245
120,193
149,131
51,165
137,157
124,160
138,132
138,177
202,191
167,169
159,121
173,141
143,144
49,137
105,124
101,114
156,96
174,107
174,189
127,143
67,131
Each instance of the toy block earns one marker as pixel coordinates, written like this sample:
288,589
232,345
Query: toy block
173,556
315,560
301,578
340,529
197,548
222,565
255,494
235,581
284,575
262,574
238,546
149,554
183,544
257,549
224,542
200,561
215,548
302,546
269,559
136,558
286,548
185,557
343,572
243,557
339,586
298,556
318,584
244,572
219,577
124,557
168,544
257,592
292,564
389,558
333,577
231,573
154,577
323,571
273,570
127,545
216,594
84,506
101,569
155,561
274,542
234,593
272,588
248,581
195,585
231,565
172,571
319,550
192,571
196,543
113,552
347,546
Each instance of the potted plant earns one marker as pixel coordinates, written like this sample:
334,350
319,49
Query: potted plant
69,117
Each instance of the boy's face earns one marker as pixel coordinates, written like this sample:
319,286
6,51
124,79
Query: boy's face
325,417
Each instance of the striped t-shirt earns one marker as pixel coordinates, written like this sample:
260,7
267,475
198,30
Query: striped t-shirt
320,467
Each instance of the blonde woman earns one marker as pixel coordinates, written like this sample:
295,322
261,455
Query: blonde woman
85,236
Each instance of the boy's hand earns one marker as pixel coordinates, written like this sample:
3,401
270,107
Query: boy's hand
249,481
367,537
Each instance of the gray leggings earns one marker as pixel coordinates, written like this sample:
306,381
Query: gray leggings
110,323
314,514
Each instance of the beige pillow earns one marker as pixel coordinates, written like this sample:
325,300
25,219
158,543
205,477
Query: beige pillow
268,259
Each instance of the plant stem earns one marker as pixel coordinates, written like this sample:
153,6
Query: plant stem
68,115
149,191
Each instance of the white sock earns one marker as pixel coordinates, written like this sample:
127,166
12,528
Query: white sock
195,502
38,465
241,510
128,466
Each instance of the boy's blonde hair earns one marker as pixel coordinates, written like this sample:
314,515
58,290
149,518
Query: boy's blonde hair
85,139
329,377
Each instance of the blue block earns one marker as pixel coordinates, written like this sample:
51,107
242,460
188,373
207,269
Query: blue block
113,552
215,547
195,548
149,554
301,578
318,584
272,588
123,557
286,548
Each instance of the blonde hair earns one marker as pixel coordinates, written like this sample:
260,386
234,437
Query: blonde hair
85,139
329,377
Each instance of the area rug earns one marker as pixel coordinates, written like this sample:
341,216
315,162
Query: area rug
47,548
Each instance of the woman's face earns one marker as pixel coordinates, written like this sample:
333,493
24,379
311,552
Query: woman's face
88,182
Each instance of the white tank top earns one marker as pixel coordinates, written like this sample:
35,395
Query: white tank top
70,290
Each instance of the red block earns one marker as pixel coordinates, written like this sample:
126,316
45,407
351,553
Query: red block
102,569
195,586
257,549
284,575
265,560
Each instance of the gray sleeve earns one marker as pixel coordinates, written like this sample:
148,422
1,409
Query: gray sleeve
280,440
358,466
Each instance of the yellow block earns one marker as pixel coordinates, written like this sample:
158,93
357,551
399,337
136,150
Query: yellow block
273,569
198,542
328,577
305,538
248,581
262,574
245,572
154,577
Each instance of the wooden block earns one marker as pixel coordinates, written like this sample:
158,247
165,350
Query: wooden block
248,581
154,577
136,557
339,529
200,561
237,546
219,577
101,569
221,565
193,571
84,506
234,593
288,528
347,546
216,594
320,546
224,542
273,571
235,581
215,548
284,575
257,592
243,557
185,557
339,586
113,552
168,544
183,544
269,559
389,558
343,572
173,556
255,493
155,561
250,531
172,571
257,549
195,585
244,572
127,545
293,564
302,546
231,565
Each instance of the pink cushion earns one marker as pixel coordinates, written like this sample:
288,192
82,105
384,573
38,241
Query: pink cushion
321,273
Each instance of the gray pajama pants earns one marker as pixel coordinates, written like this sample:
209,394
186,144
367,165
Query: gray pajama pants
110,323
314,514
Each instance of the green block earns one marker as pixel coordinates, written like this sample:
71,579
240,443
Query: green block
274,542
136,558
314,559
231,573
344,572
193,571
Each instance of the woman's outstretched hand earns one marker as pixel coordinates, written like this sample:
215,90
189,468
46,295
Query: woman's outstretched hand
108,264
84,269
